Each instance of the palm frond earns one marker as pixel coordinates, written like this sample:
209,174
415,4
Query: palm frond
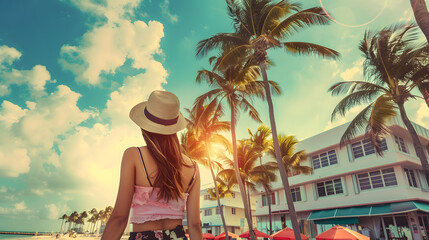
359,123
352,100
382,112
305,48
298,21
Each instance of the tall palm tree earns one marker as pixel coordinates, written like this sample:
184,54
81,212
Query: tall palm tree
236,85
421,15
63,218
261,140
204,127
250,171
83,215
261,25
291,159
393,67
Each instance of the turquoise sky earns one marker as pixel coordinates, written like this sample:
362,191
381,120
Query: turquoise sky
70,70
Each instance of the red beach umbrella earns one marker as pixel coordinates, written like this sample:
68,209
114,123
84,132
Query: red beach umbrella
208,236
286,234
222,236
257,234
341,233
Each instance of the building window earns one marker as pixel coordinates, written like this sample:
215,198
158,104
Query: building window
377,179
217,210
233,211
411,177
265,202
365,147
207,197
233,195
324,159
208,212
296,194
331,187
401,144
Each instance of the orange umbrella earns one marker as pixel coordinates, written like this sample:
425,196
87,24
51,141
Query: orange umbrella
222,236
286,234
341,233
257,234
208,236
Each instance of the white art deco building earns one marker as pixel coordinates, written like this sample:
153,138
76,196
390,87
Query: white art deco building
384,197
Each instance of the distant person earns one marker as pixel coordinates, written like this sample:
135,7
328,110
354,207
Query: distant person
157,180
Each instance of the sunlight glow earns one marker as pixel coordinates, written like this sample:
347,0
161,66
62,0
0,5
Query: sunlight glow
356,25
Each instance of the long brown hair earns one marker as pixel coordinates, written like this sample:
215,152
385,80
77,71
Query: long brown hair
165,149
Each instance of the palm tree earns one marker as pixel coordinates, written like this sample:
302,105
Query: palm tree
261,25
250,172
236,85
203,127
83,215
421,15
64,217
290,158
393,68
260,140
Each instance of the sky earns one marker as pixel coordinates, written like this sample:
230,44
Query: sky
70,71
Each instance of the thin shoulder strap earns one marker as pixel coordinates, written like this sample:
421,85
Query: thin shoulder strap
144,167
193,176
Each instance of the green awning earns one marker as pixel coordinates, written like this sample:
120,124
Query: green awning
322,214
340,221
370,210
353,211
422,206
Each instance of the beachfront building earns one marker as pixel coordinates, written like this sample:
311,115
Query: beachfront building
382,197
233,211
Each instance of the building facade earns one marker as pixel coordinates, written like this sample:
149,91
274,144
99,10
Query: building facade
383,197
233,211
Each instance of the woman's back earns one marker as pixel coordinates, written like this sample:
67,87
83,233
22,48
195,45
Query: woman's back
144,182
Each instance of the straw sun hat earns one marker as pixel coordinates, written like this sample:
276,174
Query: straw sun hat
159,114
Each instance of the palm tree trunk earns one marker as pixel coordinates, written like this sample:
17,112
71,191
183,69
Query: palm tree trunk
248,200
421,15
282,170
237,173
270,217
217,196
416,141
62,222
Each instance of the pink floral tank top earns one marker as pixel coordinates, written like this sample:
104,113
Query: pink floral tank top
145,205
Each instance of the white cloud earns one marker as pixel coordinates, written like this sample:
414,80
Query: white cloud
166,12
13,162
53,211
20,206
10,113
8,55
107,46
354,73
35,78
422,115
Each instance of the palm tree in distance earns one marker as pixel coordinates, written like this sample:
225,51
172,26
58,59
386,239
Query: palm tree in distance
394,65
260,140
63,218
261,25
290,158
204,126
265,182
236,85
251,172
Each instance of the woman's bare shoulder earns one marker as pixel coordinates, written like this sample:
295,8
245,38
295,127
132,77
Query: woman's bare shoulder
187,160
